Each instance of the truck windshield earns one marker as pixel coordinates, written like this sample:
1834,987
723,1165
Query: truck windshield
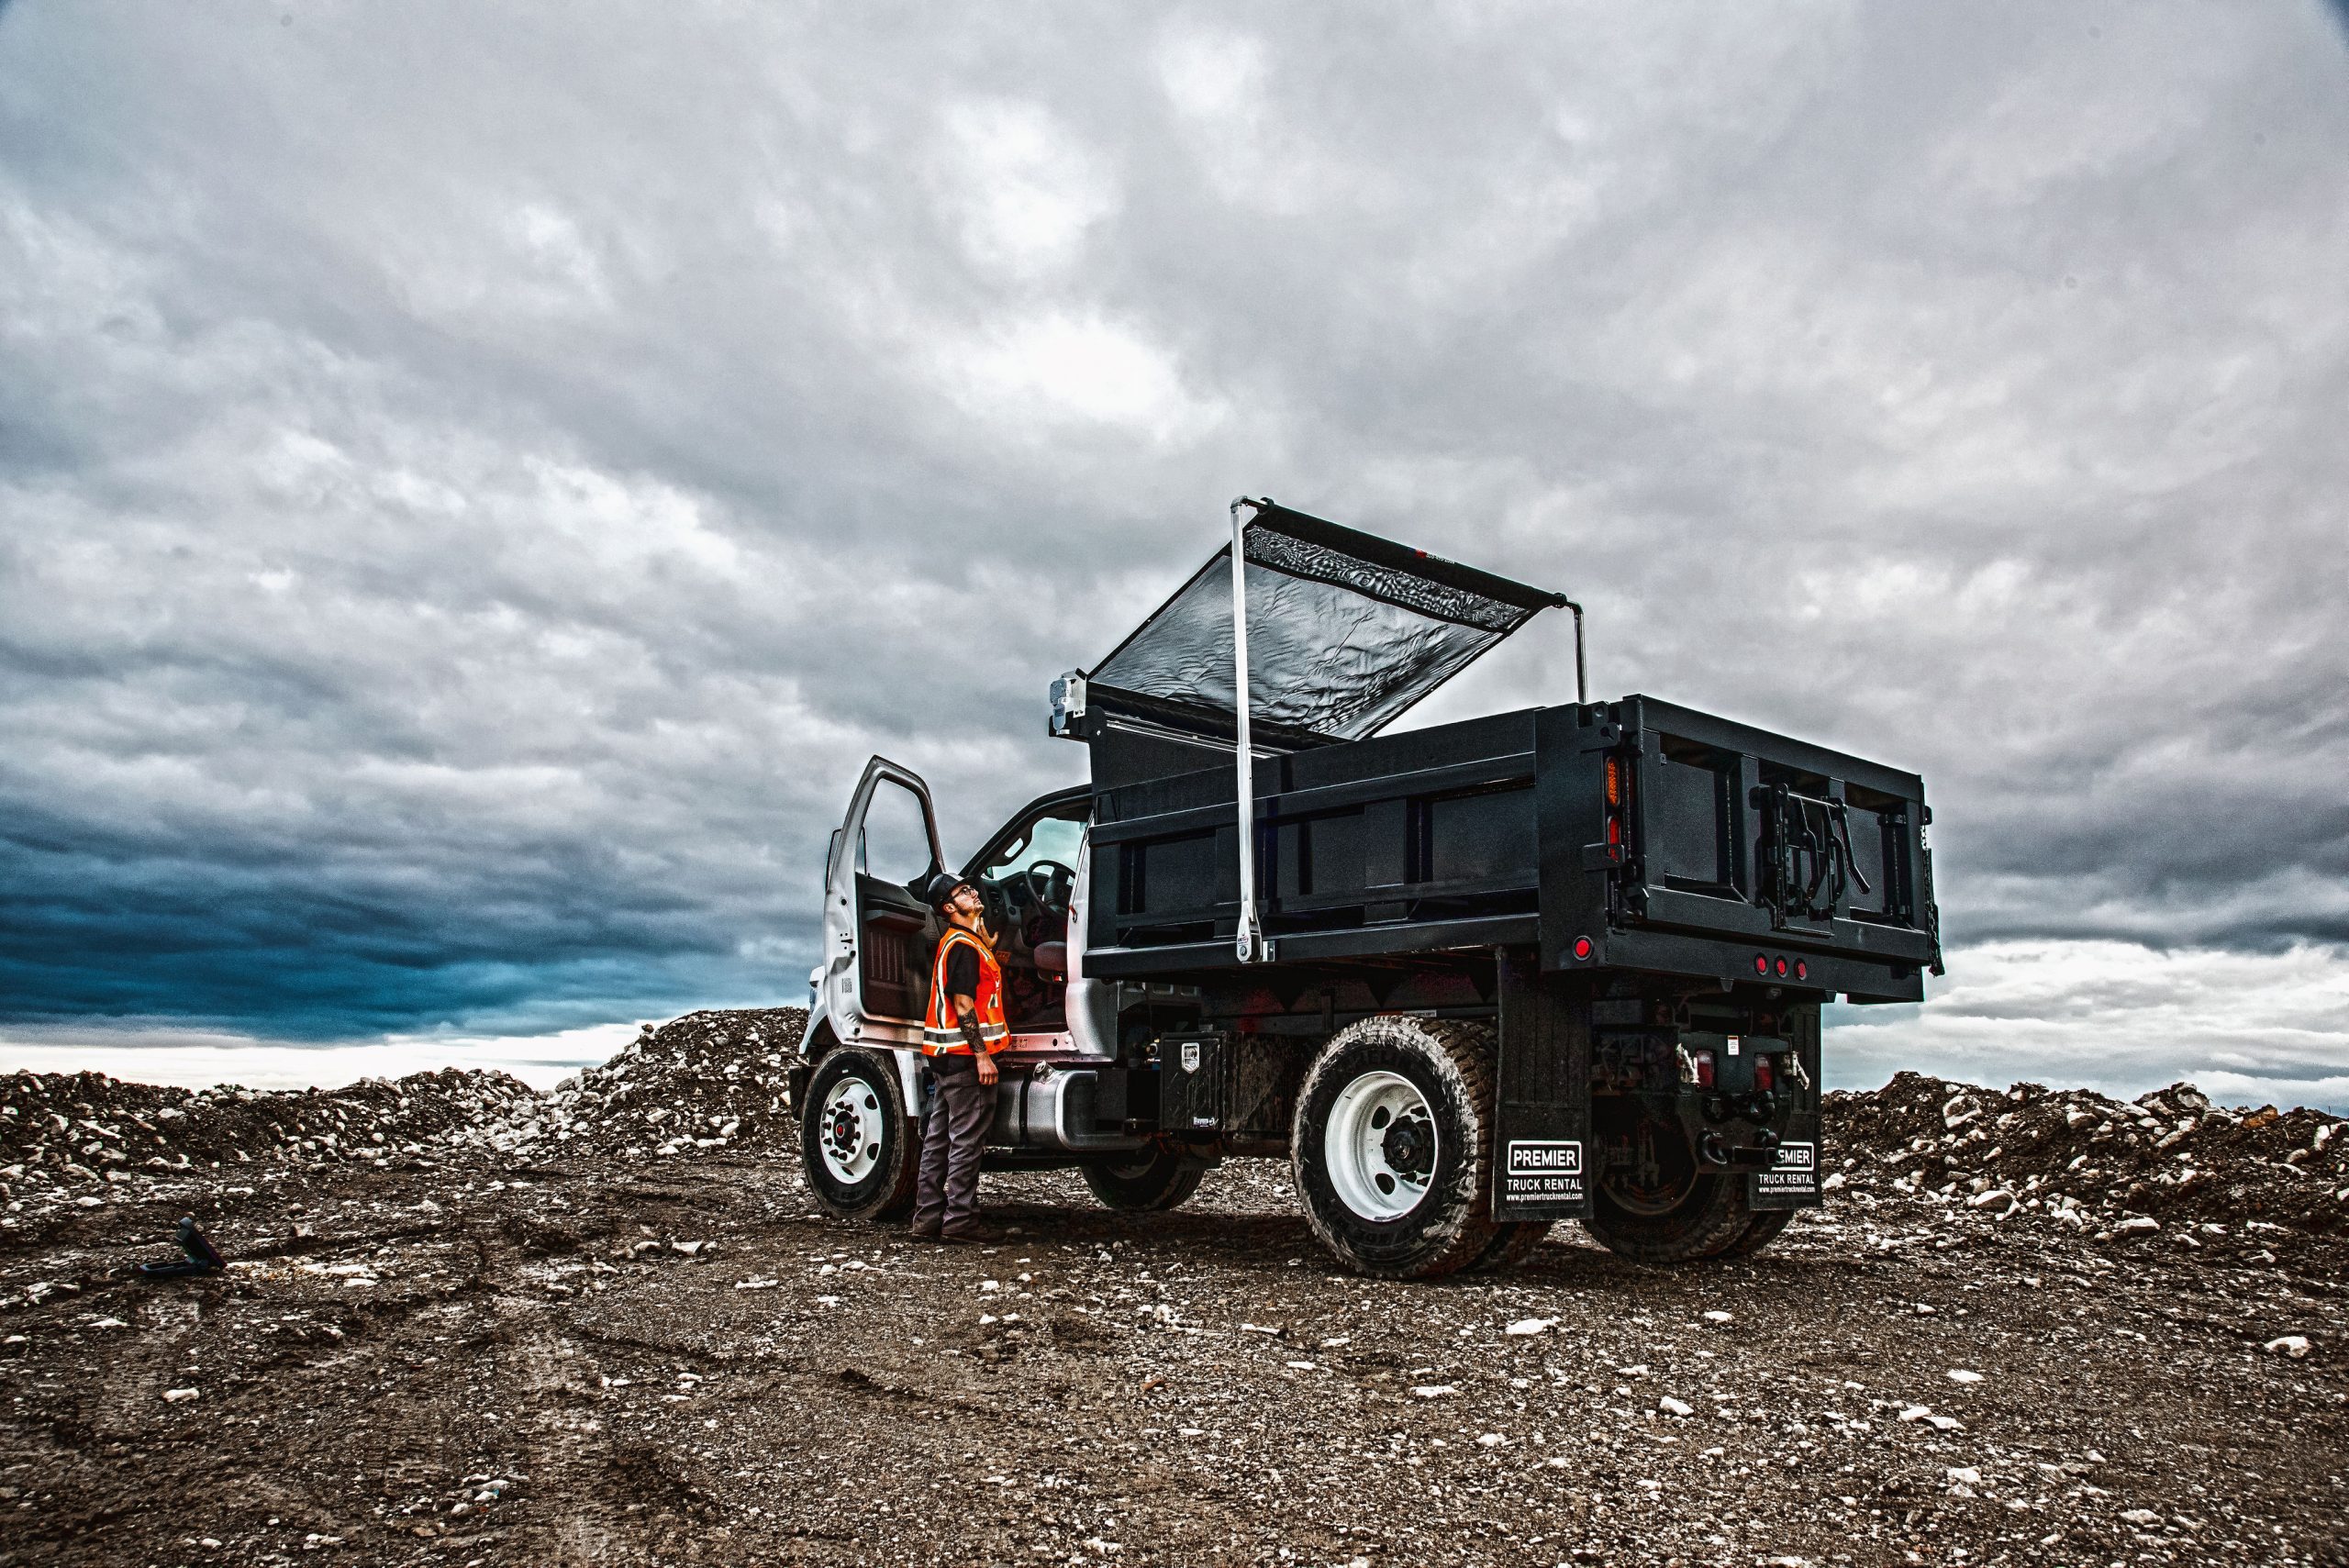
1345,630
1054,838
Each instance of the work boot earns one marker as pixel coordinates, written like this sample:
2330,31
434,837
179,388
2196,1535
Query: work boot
922,1232
978,1231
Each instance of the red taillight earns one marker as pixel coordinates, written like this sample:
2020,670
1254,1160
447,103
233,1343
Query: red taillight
1802,970
1614,830
1583,950
1762,1074
1703,1061
1761,963
1782,968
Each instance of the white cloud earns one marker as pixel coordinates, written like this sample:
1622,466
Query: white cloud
197,1059
1059,369
2246,1027
1024,190
1219,82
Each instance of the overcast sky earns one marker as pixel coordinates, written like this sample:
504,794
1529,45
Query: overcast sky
476,482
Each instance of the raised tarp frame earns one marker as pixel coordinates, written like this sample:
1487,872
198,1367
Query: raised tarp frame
1346,631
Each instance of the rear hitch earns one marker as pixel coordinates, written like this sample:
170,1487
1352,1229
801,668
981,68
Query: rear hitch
1760,1155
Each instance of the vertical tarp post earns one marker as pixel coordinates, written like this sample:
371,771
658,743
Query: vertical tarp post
1249,941
1581,678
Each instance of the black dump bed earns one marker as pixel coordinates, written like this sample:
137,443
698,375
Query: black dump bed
1630,834
1633,834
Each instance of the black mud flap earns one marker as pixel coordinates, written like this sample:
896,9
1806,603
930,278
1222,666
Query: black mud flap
1792,1181
1542,1125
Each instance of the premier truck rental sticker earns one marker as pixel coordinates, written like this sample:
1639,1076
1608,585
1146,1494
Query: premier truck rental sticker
1543,1171
1795,1171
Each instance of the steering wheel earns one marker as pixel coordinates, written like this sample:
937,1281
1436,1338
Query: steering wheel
1052,889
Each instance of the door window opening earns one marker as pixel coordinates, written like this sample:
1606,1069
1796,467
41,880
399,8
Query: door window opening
894,844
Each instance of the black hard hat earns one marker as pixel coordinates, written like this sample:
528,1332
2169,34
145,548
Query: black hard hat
942,886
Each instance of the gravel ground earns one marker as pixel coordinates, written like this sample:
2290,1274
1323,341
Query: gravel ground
476,1356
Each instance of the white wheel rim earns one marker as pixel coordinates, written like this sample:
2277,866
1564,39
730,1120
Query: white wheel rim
1381,1173
850,1133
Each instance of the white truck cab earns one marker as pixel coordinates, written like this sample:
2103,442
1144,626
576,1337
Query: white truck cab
859,1086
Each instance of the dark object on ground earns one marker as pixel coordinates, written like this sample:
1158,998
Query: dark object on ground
203,1257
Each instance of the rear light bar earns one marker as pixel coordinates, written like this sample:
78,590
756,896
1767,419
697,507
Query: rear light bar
1782,967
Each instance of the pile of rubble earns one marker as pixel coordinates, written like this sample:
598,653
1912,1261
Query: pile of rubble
69,1129
707,1083
2169,1159
715,1083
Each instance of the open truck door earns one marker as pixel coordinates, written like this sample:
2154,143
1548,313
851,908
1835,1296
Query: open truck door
879,929
858,1110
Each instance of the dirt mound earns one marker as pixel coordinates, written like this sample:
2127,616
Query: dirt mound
707,1083
710,1083
63,1129
2169,1160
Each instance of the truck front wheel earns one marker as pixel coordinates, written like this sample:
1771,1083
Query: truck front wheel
1147,1179
1392,1146
1653,1204
862,1151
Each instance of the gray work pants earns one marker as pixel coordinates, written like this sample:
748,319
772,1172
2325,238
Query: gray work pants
947,1198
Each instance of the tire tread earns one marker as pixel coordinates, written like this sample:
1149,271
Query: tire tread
1454,1240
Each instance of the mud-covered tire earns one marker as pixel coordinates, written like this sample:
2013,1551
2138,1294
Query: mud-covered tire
1710,1218
1513,1241
1147,1180
868,1175
1448,1225
1759,1232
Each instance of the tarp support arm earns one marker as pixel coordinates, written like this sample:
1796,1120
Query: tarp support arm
1250,939
1582,681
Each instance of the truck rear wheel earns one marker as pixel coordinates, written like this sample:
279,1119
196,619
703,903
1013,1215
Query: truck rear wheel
1147,1179
860,1149
1660,1206
1392,1146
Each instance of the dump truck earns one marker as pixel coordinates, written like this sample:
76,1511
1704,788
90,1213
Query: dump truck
1469,980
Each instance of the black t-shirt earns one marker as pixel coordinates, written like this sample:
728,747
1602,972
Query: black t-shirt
962,970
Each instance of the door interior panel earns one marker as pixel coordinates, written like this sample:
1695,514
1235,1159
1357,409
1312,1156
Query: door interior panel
897,940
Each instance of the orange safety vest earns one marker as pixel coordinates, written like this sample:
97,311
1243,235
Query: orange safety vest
941,1035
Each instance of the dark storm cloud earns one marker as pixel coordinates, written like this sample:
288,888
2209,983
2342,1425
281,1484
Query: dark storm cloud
475,485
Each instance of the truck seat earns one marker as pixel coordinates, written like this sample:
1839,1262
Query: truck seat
1052,958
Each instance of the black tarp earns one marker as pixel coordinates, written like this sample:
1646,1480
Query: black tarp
1345,631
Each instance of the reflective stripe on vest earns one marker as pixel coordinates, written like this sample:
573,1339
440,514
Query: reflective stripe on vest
940,1036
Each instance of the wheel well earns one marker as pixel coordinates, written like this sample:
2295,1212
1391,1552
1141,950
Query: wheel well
818,1041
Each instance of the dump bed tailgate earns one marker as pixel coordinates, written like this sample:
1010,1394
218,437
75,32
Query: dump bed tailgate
1713,847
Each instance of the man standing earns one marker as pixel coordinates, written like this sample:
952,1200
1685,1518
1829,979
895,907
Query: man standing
963,1030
